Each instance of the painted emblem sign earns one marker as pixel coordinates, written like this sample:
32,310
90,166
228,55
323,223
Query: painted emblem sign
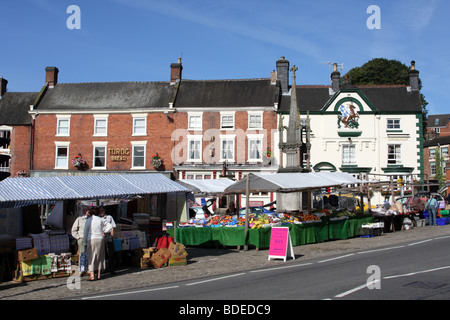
348,116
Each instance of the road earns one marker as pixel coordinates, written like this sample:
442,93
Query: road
410,271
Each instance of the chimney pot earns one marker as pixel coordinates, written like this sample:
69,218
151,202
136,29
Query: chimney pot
414,81
335,78
3,84
51,76
283,74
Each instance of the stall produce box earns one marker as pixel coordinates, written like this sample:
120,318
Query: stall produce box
177,250
177,261
159,258
27,255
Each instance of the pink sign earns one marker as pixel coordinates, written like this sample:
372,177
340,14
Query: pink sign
278,242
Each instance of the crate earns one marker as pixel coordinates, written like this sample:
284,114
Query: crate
420,223
441,221
445,213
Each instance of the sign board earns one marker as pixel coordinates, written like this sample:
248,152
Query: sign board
280,244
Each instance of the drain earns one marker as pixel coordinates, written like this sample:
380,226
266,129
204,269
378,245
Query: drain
425,285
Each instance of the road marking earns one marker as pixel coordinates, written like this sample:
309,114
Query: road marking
414,273
209,280
336,258
127,293
343,294
384,249
277,268
413,244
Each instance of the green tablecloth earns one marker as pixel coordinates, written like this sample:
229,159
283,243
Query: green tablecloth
301,234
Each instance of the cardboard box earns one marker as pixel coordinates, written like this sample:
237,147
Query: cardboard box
27,255
177,261
177,250
160,257
145,263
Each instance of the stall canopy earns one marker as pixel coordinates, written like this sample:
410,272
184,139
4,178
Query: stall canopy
291,182
17,192
205,187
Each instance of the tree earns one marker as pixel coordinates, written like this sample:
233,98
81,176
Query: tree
440,165
384,71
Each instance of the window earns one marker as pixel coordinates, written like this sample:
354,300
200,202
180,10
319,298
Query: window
138,154
99,155
432,168
194,148
227,149
444,151
436,121
63,126
349,154
432,152
394,154
393,124
195,120
139,125
62,155
100,126
255,143
227,120
255,120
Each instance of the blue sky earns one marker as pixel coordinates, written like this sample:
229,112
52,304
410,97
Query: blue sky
137,40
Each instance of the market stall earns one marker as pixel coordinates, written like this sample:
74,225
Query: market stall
255,230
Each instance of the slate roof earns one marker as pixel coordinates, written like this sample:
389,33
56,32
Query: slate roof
443,119
107,96
226,93
14,107
387,99
442,140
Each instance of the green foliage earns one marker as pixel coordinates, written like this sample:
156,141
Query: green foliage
380,71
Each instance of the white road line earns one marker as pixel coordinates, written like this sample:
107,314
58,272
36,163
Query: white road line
209,280
343,294
277,268
414,273
415,243
127,293
444,237
336,258
384,249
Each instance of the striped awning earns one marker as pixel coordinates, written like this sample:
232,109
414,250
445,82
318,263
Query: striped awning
210,187
17,192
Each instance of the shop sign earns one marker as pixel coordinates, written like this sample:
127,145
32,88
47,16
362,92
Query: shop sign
119,154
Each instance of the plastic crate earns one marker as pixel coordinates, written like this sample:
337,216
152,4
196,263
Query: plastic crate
445,213
441,221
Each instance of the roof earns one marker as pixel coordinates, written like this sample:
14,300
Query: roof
441,140
290,182
16,192
385,98
442,120
226,93
206,186
107,95
14,107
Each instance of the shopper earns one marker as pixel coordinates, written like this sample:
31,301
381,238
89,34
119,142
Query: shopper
431,206
231,209
109,242
94,233
78,234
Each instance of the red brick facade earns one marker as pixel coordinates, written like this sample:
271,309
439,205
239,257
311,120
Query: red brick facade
20,149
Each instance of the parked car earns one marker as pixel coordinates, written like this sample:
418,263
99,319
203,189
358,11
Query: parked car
255,210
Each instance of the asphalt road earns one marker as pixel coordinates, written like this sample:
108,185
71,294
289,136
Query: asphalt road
408,271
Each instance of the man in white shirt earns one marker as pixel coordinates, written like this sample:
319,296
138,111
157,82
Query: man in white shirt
109,243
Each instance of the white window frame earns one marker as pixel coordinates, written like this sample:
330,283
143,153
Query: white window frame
58,145
349,155
224,125
95,145
59,120
393,124
196,139
255,114
135,144
252,138
397,155
100,117
139,117
198,123
228,138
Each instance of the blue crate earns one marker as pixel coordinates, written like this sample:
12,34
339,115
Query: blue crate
441,221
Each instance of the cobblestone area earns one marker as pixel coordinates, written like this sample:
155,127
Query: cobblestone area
206,262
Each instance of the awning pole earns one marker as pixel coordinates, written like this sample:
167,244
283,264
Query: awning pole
247,203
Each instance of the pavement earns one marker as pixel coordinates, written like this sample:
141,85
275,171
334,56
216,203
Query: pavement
204,262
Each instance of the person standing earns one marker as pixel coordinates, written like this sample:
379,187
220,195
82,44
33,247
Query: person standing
109,242
78,234
94,233
431,206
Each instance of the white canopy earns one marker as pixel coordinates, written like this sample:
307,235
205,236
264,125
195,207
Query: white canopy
206,186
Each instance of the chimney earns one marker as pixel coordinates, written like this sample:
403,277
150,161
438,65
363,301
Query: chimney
175,71
335,78
51,76
283,74
273,77
3,84
414,81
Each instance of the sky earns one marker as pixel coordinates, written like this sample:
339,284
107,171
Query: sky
137,40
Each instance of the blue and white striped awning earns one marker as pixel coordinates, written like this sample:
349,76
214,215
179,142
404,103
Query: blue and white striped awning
17,192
